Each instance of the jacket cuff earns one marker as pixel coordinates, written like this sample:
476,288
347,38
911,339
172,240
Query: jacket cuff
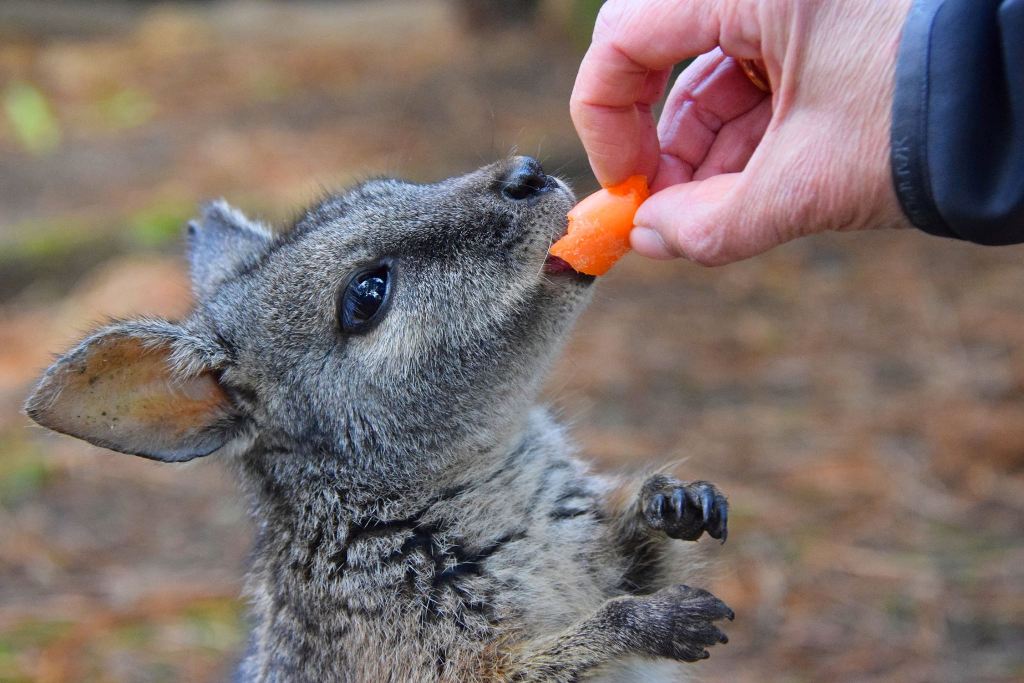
911,118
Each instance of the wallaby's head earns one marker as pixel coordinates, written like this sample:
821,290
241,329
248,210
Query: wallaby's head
395,326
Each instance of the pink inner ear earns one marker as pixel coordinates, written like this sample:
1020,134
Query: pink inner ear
121,394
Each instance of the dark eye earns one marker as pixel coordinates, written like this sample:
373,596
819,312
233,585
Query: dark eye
364,298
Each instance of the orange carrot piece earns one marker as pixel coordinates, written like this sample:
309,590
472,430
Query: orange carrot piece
599,226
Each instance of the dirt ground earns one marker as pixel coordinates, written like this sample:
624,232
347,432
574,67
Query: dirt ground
859,397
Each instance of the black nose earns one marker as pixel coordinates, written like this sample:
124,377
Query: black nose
525,179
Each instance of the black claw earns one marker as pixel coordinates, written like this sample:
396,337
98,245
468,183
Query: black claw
679,503
730,615
691,613
658,506
707,502
697,508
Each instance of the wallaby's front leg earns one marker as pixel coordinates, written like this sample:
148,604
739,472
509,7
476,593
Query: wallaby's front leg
676,622
644,519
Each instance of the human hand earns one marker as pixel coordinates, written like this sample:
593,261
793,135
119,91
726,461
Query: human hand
736,171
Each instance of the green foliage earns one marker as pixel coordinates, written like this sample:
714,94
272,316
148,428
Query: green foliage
39,240
35,633
31,118
152,227
216,625
126,108
159,223
26,637
50,255
23,470
584,14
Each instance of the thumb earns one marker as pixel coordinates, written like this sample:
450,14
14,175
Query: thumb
734,216
711,222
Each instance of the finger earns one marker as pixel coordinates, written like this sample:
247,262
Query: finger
711,93
624,72
736,142
618,132
671,171
795,183
683,137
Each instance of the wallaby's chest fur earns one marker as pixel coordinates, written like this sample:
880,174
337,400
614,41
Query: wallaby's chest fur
371,376
440,580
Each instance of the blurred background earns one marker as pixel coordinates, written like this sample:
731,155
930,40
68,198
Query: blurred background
859,397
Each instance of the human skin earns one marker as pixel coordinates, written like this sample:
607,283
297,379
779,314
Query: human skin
736,171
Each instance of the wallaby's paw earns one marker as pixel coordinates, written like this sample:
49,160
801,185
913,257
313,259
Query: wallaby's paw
682,622
685,511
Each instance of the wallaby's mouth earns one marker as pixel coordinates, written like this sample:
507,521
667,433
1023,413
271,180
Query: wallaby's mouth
556,266
553,265
560,268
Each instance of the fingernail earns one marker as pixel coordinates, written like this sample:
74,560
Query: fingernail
649,242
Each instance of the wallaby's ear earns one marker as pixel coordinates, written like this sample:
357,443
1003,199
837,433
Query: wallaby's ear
147,388
221,241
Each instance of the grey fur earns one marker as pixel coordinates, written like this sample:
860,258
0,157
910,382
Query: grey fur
419,518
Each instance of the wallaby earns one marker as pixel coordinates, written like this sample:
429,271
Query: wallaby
371,374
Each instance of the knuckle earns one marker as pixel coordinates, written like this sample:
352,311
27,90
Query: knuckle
609,17
577,111
705,247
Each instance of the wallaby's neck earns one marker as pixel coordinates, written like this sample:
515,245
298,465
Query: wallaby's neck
296,494
333,550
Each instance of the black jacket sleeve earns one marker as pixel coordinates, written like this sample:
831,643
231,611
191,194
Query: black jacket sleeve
958,119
